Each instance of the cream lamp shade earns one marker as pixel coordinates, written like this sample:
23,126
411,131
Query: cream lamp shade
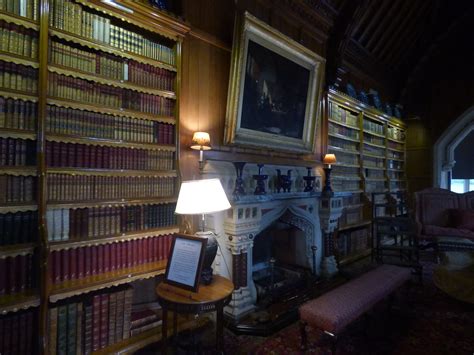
329,159
201,197
201,141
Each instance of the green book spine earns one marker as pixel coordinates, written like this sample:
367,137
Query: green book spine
62,330
71,328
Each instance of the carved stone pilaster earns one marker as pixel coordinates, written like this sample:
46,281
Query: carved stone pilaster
330,210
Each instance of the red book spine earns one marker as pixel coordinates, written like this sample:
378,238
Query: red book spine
65,273
96,318
56,266
107,258
94,266
141,251
80,263
136,246
113,256
161,247
87,261
154,249
100,259
73,264
129,248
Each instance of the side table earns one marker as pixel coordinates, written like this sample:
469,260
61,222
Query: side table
210,298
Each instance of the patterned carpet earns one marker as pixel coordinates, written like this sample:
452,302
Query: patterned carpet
424,320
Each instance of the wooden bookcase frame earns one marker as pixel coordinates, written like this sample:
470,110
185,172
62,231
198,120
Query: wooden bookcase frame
148,19
360,179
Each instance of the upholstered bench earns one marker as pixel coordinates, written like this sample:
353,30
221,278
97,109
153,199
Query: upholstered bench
334,310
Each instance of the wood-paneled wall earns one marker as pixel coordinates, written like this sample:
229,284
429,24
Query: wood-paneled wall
205,75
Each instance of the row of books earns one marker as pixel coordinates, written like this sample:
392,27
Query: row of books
372,126
17,152
345,185
396,175
16,332
96,322
18,77
395,145
24,8
112,67
18,114
18,227
373,162
374,174
395,155
374,150
342,115
60,154
344,158
374,186
15,189
17,274
71,17
352,242
351,216
84,91
344,144
396,133
343,131
78,263
63,187
345,170
67,121
18,40
373,139
85,223
352,199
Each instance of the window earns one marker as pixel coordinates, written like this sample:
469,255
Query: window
462,185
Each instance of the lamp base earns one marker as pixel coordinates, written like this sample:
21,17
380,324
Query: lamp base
209,256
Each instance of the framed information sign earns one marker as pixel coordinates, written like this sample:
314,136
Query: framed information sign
185,261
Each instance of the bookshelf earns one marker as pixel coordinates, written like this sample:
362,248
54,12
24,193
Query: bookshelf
370,150
89,108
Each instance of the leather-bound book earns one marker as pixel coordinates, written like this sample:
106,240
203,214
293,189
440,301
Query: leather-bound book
79,328
96,319
80,254
71,327
112,317
53,330
127,311
104,320
62,330
119,315
88,327
73,259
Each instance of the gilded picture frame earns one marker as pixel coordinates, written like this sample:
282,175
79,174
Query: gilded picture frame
274,90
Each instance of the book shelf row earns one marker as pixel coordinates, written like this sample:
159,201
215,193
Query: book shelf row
112,67
18,274
82,262
97,157
72,17
18,40
18,77
16,333
18,228
18,114
23,8
87,223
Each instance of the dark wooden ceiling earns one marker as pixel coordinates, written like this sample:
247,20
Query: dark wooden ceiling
380,43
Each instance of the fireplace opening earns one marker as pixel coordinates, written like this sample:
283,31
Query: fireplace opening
279,263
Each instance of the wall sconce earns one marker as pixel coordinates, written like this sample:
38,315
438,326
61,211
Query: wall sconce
328,160
201,142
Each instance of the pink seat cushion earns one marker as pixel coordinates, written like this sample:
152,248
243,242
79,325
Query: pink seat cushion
436,231
334,310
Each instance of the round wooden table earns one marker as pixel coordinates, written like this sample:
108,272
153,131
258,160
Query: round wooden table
209,298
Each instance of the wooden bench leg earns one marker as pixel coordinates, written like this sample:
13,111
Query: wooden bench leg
304,337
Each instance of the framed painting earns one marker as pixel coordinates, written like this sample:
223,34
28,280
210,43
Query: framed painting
274,90
185,261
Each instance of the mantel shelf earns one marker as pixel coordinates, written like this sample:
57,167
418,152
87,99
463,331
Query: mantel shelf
106,280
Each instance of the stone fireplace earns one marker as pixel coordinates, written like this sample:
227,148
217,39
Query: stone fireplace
250,215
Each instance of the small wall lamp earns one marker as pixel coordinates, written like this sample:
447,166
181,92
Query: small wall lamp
328,160
201,142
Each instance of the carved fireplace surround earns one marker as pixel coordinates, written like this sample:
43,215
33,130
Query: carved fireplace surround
249,215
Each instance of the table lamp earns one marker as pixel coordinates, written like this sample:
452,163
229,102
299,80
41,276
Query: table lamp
328,160
202,197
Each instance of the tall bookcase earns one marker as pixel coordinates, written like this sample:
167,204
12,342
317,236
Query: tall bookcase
89,106
370,150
